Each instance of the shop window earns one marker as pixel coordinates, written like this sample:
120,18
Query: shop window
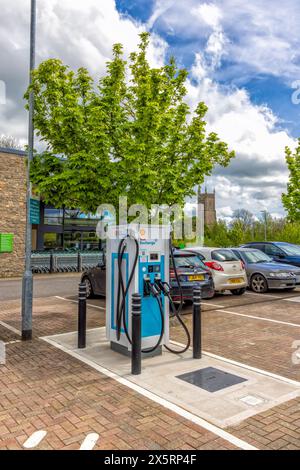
52,241
53,217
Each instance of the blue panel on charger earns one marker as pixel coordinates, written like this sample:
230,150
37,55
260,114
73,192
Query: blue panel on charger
151,317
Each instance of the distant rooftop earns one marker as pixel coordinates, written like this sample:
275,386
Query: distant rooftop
19,152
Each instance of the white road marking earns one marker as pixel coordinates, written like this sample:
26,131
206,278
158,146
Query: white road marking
264,295
161,401
11,328
213,305
90,441
76,302
295,325
35,439
245,366
13,342
293,299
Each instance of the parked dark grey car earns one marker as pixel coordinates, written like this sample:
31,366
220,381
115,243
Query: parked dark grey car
264,273
191,270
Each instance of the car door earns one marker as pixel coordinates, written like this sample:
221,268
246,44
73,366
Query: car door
101,280
97,277
275,252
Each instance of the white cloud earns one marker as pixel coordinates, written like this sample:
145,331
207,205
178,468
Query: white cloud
261,37
225,212
79,33
257,176
254,36
209,13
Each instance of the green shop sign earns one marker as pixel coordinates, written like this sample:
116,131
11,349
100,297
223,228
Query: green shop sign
35,212
6,242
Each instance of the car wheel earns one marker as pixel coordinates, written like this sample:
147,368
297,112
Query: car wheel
89,288
239,291
259,284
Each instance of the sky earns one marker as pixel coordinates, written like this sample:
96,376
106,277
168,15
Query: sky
243,60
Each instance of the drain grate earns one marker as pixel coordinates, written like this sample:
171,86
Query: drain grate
211,379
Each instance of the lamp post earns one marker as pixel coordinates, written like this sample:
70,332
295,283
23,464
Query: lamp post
27,285
265,223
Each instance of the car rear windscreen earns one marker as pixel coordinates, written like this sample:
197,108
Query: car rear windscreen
188,261
224,255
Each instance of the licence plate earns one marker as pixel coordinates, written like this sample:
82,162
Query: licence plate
236,281
198,277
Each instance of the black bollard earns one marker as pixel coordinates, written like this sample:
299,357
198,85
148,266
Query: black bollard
136,353
197,326
82,317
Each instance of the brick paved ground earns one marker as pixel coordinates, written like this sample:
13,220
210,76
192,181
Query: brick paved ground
44,388
63,390
278,428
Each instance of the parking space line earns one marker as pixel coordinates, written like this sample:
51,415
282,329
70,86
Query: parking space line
35,439
10,328
213,305
295,325
264,295
90,441
76,302
157,399
293,299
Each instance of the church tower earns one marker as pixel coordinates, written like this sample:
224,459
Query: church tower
209,202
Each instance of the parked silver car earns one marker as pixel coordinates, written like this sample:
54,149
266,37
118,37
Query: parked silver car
264,273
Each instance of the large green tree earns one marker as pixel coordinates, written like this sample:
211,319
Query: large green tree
132,134
291,200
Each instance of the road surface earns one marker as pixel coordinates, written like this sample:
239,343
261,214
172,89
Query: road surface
43,286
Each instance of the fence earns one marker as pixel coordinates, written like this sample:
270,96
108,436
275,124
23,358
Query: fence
62,262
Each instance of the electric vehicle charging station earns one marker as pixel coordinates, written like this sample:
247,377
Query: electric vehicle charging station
138,262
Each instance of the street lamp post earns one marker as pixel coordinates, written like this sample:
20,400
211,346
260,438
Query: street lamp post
27,286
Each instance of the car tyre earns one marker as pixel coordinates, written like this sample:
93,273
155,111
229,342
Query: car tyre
239,291
259,284
89,288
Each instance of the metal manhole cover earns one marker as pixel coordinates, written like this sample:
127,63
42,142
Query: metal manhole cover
211,379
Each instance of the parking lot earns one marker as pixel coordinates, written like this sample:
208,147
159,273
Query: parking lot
259,331
252,328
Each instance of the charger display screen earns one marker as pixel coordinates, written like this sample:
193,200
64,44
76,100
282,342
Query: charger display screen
154,269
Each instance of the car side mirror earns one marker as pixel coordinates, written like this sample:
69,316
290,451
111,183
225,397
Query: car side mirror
281,255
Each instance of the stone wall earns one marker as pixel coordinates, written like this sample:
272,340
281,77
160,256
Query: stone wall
13,209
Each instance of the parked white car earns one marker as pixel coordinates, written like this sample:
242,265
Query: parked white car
227,269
